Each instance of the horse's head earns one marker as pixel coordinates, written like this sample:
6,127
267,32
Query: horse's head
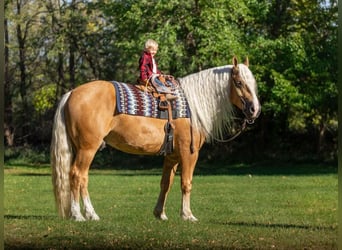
243,90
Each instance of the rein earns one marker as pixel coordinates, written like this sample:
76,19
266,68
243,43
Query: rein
242,128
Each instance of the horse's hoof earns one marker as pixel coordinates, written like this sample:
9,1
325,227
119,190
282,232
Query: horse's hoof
161,216
189,218
77,218
92,216
95,217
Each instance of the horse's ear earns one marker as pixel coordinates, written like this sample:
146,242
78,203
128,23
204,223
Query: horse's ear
246,62
235,61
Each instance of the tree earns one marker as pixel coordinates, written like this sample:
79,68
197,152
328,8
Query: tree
298,72
21,51
291,46
8,123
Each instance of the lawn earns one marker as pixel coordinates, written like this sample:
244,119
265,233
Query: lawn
238,207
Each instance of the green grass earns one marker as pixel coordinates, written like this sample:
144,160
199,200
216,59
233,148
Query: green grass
238,207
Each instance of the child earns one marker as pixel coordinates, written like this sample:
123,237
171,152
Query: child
149,69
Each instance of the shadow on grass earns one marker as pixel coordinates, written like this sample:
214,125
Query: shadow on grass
78,244
266,168
29,217
277,225
258,169
74,241
33,174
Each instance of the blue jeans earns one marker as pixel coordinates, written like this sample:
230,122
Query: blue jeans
161,88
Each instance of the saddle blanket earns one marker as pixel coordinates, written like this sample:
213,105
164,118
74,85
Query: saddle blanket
131,100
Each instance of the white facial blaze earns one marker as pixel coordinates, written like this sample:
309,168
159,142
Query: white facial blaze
247,75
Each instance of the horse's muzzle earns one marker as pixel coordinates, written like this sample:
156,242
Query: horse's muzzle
251,112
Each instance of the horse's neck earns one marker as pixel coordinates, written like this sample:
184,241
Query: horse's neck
208,98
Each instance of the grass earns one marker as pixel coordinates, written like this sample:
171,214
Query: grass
238,207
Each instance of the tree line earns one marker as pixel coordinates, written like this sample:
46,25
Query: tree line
52,46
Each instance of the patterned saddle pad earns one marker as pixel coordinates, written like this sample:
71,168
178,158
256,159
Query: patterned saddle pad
131,100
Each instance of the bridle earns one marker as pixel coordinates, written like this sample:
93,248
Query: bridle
237,85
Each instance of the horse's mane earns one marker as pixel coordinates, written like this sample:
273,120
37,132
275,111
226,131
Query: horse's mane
207,93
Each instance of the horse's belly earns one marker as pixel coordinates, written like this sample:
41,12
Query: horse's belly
137,135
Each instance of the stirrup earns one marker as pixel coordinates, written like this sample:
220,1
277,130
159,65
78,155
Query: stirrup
163,105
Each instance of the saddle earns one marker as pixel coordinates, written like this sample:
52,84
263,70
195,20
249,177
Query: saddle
163,93
164,104
144,100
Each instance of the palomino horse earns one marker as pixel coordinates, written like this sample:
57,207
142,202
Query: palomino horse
87,116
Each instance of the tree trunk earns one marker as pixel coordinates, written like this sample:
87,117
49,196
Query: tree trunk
9,134
72,64
22,56
8,127
321,137
21,37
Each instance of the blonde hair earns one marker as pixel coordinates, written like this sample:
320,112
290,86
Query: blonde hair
150,43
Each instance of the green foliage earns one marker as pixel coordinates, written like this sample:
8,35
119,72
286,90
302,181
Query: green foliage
26,156
44,98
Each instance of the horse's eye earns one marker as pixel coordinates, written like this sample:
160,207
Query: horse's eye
238,84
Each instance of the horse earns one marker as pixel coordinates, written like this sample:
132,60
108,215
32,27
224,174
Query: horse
87,116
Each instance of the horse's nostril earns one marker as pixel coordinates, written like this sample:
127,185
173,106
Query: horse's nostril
252,110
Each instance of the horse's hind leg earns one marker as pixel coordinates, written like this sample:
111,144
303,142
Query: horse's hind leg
169,170
79,185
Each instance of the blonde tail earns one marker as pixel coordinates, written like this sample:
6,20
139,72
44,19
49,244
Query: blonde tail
61,159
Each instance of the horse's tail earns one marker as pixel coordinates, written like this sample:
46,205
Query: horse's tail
61,159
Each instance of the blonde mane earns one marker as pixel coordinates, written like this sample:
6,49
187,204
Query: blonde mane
207,93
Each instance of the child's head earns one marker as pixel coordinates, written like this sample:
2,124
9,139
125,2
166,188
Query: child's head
151,46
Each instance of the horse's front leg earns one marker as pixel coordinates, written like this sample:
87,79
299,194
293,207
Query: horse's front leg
169,171
188,167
